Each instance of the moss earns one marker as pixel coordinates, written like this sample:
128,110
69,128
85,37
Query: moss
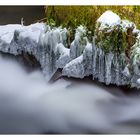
51,22
118,38
73,16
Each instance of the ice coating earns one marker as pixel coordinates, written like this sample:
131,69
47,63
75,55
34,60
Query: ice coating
74,68
36,39
77,46
83,58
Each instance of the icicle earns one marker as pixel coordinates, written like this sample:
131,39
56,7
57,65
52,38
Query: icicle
79,43
82,59
94,71
108,66
87,59
101,75
116,69
64,56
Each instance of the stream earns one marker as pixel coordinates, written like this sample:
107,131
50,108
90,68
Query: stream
29,105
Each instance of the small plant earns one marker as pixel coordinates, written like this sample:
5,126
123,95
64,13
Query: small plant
51,22
116,38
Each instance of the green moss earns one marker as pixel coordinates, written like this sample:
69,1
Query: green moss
117,38
114,41
73,16
51,22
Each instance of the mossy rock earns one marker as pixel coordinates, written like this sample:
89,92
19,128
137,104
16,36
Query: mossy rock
115,36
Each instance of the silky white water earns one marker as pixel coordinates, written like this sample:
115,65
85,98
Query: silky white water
28,104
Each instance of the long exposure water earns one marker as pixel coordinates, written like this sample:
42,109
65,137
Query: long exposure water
28,104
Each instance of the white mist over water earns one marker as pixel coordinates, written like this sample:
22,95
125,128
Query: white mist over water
29,105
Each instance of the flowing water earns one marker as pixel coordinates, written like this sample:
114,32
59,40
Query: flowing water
28,104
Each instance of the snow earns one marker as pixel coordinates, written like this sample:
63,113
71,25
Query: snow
48,45
126,71
79,42
80,31
127,24
33,30
74,68
62,50
80,66
50,49
64,56
138,81
87,59
7,31
136,31
138,50
109,18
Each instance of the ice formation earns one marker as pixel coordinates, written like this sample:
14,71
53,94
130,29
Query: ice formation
83,58
77,46
46,44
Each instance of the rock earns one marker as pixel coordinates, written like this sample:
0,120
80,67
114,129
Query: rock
75,68
113,56
79,43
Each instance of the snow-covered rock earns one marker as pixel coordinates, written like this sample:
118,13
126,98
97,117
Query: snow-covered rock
36,39
74,68
64,56
79,43
87,59
51,48
109,18
127,24
83,58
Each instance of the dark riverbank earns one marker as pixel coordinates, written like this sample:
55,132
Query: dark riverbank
13,14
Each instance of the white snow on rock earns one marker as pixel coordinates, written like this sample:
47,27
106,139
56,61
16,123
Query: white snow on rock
87,59
39,40
74,68
51,48
126,71
33,31
7,31
64,56
138,81
128,25
48,45
79,43
80,66
109,18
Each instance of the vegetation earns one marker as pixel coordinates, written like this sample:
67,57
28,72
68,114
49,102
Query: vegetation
73,16
117,38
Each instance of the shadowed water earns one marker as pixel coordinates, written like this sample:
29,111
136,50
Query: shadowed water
29,105
13,14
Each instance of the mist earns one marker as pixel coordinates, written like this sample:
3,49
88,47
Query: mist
30,105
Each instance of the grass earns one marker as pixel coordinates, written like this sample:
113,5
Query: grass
73,16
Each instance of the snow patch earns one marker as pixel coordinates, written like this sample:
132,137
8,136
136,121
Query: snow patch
74,68
109,18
